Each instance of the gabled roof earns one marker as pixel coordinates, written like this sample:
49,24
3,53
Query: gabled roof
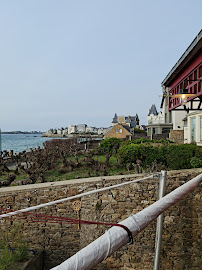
193,49
153,110
115,119
126,127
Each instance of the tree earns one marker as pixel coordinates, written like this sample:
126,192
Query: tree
110,146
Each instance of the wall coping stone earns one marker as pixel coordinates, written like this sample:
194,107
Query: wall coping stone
86,180
69,182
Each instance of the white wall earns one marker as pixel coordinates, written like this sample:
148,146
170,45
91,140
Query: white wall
197,115
177,119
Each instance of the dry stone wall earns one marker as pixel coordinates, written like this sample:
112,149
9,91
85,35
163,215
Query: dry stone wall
181,232
177,136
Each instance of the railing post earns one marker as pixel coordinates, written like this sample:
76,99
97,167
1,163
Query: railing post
159,225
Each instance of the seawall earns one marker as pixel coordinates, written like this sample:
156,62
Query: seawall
181,231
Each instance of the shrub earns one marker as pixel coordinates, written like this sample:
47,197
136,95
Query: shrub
130,153
196,162
172,156
179,156
110,146
137,130
148,141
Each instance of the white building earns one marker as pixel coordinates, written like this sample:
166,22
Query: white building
156,122
81,128
72,129
91,129
193,128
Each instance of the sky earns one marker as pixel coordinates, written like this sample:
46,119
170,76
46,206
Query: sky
68,62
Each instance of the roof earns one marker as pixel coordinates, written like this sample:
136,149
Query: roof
115,119
193,48
126,127
153,110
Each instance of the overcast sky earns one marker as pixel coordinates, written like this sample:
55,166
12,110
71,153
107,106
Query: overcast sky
70,62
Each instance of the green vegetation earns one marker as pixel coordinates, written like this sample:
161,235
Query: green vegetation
66,159
196,162
137,130
110,146
171,156
12,248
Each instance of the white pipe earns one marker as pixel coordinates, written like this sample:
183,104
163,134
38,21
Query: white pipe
70,198
116,237
159,225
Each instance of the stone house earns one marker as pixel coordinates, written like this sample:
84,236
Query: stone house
131,121
120,131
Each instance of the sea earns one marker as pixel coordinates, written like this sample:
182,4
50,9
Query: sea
21,142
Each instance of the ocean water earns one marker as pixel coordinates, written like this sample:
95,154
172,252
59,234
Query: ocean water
21,142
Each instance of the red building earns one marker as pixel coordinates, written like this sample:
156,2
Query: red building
186,74
185,113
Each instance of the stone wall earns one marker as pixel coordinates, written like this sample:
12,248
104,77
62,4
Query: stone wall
181,232
177,136
163,136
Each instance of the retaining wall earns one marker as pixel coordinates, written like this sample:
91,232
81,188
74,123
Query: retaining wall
181,232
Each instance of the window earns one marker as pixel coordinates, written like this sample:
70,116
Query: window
120,130
193,129
200,71
195,88
201,128
117,131
170,117
195,74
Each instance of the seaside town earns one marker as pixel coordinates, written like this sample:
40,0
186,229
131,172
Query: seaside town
118,186
127,122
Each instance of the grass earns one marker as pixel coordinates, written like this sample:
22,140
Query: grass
59,173
83,171
13,247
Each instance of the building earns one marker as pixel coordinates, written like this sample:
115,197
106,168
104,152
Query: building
120,131
81,128
193,128
185,76
156,123
131,121
115,120
72,129
92,130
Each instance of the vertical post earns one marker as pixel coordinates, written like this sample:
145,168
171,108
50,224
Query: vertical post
151,134
0,145
159,225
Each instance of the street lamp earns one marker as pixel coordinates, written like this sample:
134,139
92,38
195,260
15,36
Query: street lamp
183,95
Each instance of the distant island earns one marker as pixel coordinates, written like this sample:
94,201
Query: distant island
21,132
